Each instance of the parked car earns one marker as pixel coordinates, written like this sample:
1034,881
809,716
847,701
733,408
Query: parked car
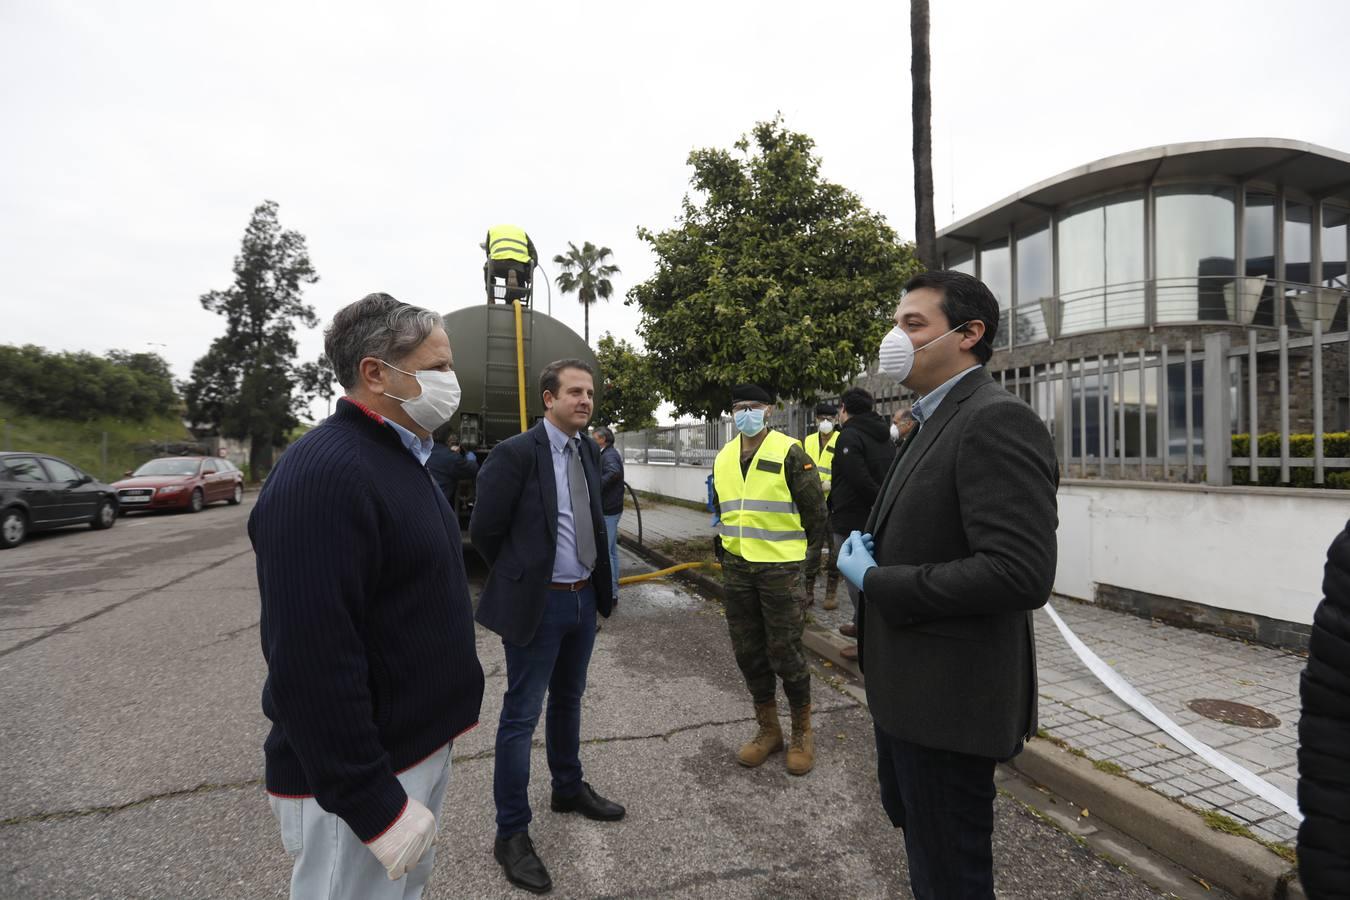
38,492
180,482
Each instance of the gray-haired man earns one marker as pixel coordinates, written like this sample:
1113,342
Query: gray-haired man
366,624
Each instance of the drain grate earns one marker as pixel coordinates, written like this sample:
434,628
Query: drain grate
1230,713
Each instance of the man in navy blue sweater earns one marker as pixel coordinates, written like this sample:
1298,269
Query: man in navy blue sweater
538,524
366,623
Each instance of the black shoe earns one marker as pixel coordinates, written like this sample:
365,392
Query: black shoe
522,865
590,804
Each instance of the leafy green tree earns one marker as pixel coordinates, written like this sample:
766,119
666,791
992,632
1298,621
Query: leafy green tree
248,384
82,386
630,391
772,274
585,273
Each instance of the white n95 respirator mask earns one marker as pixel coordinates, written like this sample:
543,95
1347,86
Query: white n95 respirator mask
896,356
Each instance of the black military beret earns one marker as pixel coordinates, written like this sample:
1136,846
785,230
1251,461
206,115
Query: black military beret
750,393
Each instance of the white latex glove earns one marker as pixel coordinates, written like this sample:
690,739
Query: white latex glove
825,485
401,846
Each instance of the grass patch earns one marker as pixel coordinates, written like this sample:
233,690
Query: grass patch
1060,743
130,443
688,550
1110,768
1228,825
667,501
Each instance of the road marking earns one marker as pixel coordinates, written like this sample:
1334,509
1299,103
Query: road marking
1141,704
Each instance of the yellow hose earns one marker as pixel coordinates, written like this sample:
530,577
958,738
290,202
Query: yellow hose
662,573
520,364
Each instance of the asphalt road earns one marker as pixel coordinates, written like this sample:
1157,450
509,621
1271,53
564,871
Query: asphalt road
131,763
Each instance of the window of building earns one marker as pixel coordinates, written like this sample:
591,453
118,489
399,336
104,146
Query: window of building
1254,300
962,261
1194,254
1335,303
1035,283
996,273
1297,242
1101,264
1335,246
1258,234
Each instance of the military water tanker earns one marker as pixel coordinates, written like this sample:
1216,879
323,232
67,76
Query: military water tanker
500,349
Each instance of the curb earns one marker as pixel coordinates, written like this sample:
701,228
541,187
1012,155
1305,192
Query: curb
1236,864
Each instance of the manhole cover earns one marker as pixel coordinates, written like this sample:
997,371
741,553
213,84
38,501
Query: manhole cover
1231,713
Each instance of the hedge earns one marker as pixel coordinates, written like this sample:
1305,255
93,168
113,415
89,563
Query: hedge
1335,444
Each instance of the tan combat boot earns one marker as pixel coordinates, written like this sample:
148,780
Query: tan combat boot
831,591
767,741
801,755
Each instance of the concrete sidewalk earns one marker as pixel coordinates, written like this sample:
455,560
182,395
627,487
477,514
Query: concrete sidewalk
1171,666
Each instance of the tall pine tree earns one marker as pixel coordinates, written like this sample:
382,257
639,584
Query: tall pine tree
248,385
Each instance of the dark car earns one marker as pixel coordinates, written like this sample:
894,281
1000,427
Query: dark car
180,482
38,492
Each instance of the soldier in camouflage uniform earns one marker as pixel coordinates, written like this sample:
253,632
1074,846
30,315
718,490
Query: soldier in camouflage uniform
771,507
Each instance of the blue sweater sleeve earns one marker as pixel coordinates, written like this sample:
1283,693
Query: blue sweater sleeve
316,534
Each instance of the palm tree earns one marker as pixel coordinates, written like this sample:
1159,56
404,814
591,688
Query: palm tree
585,273
921,107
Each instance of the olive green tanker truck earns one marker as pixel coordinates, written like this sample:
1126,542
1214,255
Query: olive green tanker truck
500,349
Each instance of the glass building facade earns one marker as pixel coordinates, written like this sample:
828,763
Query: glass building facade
1226,234
1218,244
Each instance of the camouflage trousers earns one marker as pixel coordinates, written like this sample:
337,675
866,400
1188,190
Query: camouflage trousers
765,618
811,567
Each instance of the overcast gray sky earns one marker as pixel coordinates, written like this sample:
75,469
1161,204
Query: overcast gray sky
138,136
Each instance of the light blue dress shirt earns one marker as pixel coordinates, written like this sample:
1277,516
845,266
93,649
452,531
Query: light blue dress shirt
566,566
418,447
926,405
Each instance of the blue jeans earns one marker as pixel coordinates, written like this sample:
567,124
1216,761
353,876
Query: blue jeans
554,661
944,801
612,527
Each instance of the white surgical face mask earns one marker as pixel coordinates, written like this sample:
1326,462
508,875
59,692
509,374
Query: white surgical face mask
895,433
897,352
438,401
826,426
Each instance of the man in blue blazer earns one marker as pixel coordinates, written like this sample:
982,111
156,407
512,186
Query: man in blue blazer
538,524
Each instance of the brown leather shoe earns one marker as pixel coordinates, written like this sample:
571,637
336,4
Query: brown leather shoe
848,629
850,653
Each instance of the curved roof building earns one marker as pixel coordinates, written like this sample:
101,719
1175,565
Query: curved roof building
1217,234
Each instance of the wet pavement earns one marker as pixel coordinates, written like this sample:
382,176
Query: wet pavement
131,763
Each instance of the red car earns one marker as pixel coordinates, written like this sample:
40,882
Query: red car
180,482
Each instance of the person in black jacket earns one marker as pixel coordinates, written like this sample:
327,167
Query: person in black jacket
450,464
958,550
862,457
611,495
1324,737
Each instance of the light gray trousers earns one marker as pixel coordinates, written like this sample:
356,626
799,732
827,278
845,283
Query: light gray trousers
331,863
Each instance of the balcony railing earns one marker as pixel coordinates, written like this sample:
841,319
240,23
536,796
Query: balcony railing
1246,301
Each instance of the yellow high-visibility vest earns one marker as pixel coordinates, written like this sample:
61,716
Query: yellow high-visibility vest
822,457
760,522
508,242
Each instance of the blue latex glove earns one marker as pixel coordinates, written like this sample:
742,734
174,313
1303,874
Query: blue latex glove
855,558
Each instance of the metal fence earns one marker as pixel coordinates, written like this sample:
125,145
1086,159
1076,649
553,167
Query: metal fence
1178,413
